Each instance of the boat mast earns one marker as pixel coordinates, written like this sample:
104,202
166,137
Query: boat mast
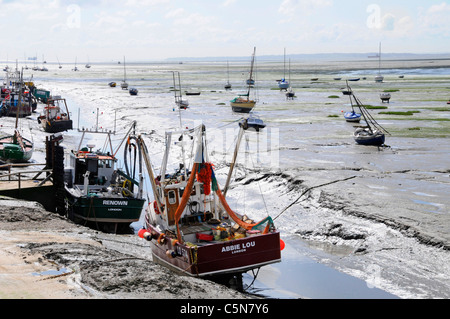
233,161
251,73
20,99
379,60
124,71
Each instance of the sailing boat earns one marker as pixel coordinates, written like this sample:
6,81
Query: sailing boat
228,85
124,84
188,234
373,133
88,65
60,66
283,84
379,78
182,104
290,94
241,104
75,68
351,116
15,148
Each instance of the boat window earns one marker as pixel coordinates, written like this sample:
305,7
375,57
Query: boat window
92,166
172,197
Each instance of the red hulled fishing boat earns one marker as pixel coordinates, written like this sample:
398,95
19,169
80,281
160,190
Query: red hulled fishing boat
192,235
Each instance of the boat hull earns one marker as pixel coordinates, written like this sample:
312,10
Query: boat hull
283,85
217,258
352,117
57,126
364,137
242,107
105,210
12,153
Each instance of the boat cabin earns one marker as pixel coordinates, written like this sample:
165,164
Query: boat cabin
198,209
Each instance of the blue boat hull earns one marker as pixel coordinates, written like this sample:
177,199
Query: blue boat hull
352,117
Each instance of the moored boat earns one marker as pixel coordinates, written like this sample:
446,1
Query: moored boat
368,136
253,123
124,84
242,103
182,104
385,97
283,84
99,194
15,148
190,235
371,134
352,117
56,117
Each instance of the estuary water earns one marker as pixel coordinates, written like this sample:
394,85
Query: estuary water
377,228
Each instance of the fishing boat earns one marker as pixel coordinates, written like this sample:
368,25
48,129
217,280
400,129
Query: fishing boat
133,91
228,85
182,104
371,134
242,103
283,84
124,84
56,117
189,234
99,194
351,116
15,148
14,106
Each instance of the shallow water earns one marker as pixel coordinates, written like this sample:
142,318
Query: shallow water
299,276
301,140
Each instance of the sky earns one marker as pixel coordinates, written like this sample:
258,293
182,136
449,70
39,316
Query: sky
146,30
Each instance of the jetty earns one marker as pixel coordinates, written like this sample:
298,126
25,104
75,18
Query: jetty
39,185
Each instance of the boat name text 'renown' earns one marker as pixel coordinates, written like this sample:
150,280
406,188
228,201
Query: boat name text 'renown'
237,248
115,202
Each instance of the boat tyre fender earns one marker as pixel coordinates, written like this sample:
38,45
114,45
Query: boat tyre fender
126,186
161,239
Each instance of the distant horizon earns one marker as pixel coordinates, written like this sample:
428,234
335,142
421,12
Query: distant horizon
369,56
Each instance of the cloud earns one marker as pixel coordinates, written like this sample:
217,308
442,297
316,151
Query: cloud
291,7
179,12
436,20
228,3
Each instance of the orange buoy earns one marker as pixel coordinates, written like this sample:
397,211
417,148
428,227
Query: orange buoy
141,232
282,244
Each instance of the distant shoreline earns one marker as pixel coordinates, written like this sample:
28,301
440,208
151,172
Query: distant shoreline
320,57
